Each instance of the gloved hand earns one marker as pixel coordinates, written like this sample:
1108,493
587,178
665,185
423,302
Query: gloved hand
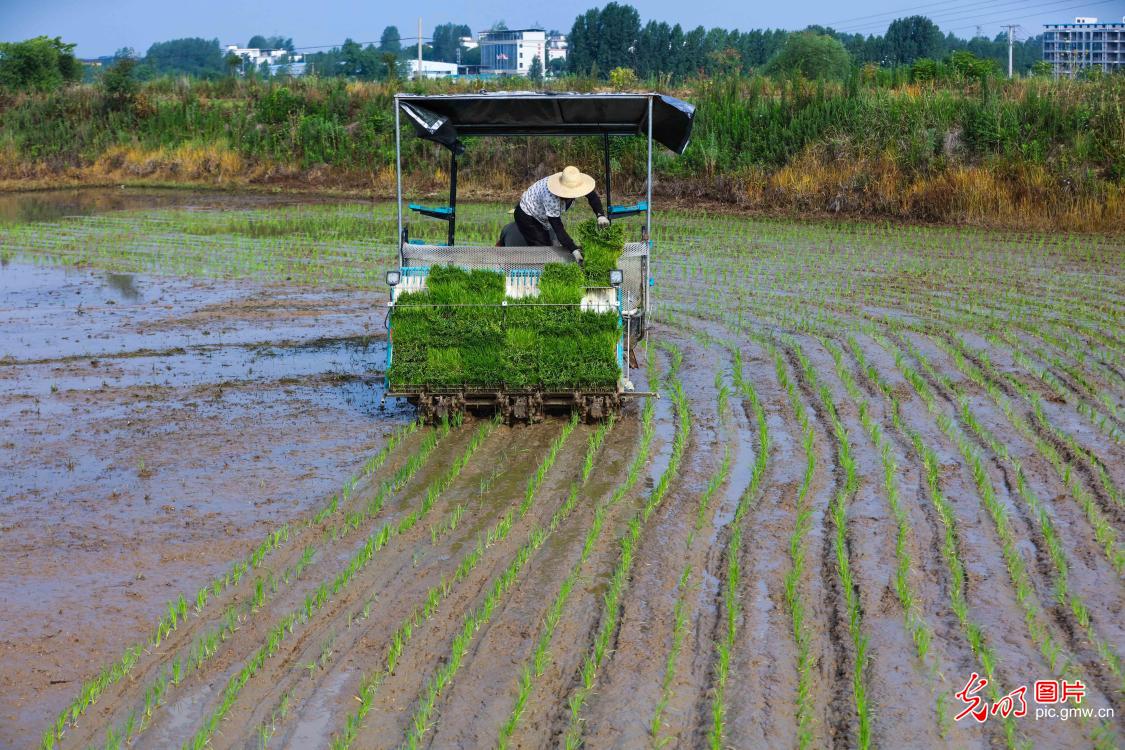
577,255
603,221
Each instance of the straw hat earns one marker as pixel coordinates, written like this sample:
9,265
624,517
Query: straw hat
570,183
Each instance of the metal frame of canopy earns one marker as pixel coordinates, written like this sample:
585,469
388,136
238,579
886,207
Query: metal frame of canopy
445,118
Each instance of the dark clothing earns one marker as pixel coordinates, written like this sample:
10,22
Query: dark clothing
536,233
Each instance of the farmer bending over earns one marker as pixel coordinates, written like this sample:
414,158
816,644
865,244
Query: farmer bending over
542,205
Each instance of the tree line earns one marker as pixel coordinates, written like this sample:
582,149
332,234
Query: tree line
603,39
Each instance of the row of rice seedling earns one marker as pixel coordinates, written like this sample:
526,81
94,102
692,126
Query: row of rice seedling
732,605
479,617
1070,395
950,547
370,684
802,522
1104,533
207,645
839,511
353,518
1023,588
921,632
1055,654
611,610
540,658
1109,486
318,599
686,584
1061,327
1059,337
1058,557
177,611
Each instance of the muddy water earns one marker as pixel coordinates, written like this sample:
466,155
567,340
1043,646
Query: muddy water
49,205
153,429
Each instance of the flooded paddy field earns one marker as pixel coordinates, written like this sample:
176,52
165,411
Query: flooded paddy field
884,459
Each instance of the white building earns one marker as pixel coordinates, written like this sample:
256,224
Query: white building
256,56
467,42
432,69
556,47
1086,43
510,52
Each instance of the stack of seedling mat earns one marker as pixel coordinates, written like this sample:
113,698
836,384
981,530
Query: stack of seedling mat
458,331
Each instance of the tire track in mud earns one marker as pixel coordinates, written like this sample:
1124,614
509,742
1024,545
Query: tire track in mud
207,696
480,701
239,590
630,677
326,693
388,719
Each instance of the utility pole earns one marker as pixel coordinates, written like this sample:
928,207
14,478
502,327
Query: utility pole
419,76
1010,27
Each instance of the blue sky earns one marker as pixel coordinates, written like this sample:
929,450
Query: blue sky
100,28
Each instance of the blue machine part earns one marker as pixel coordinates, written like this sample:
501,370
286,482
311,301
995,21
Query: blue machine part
636,208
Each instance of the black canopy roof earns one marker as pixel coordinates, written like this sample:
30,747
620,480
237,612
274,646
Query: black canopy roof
445,118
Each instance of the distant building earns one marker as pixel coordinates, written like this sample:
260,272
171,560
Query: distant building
556,47
432,69
296,69
467,42
279,59
510,52
1086,43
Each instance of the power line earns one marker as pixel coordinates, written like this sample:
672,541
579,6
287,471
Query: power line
898,13
944,18
963,13
1009,16
362,44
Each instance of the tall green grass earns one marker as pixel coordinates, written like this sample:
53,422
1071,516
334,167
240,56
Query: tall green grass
1025,149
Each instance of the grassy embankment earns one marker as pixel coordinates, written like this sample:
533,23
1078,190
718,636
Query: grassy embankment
1028,153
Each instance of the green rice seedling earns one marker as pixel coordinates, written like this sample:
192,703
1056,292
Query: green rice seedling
920,629
539,660
461,331
731,603
601,248
473,621
320,597
628,543
370,684
679,629
1063,593
802,523
207,646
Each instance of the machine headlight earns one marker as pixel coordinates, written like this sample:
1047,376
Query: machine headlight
393,277
616,277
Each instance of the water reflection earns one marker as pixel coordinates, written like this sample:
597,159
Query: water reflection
125,285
